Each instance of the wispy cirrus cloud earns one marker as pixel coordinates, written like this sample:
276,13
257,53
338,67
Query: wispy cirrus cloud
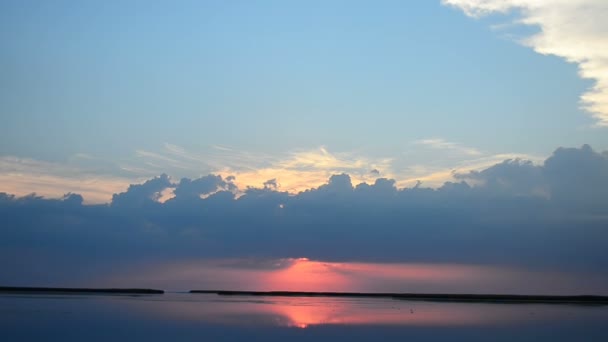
304,169
442,144
294,171
576,30
98,180
24,176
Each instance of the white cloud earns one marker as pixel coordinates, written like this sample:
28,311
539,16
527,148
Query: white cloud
576,30
438,143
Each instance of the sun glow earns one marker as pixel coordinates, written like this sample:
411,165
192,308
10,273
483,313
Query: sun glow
307,275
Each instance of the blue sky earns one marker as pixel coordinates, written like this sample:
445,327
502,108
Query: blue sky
412,89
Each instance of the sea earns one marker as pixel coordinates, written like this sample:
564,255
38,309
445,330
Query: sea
211,317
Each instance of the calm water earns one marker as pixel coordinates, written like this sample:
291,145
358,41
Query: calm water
199,317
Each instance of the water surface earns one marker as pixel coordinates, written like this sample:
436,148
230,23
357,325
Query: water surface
208,317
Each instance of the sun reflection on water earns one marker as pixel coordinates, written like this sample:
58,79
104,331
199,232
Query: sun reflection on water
306,312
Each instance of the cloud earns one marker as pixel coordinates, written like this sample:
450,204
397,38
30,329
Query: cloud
271,184
203,187
96,181
293,171
549,216
578,177
571,177
438,143
140,195
304,169
435,176
576,30
514,177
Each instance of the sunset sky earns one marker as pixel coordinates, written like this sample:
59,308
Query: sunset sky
99,95
377,137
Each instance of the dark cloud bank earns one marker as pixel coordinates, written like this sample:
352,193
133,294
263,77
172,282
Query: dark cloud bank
551,216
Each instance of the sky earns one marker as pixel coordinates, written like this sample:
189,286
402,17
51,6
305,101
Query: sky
99,95
337,136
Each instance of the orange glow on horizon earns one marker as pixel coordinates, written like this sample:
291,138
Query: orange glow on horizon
306,275
309,275
302,274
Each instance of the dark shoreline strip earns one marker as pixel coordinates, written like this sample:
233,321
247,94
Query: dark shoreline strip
443,297
72,290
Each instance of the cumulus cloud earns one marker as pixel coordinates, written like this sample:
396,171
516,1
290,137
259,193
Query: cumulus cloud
514,177
436,175
551,215
576,30
578,177
571,177
139,195
188,189
271,184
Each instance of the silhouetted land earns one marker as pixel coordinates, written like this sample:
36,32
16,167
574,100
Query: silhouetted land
73,290
442,297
